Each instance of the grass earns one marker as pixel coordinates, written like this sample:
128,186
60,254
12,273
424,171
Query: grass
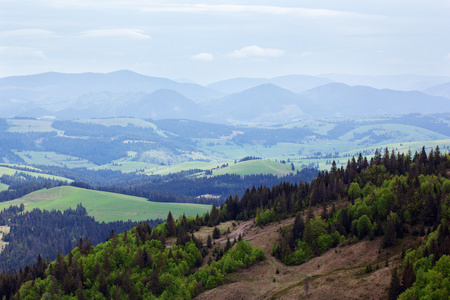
9,171
3,187
26,125
400,132
258,166
164,170
54,159
124,122
104,206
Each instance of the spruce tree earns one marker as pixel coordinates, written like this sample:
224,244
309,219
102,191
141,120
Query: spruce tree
170,224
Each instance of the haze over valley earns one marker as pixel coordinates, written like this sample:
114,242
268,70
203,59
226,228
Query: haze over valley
224,150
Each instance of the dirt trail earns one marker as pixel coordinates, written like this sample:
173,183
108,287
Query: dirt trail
241,229
337,274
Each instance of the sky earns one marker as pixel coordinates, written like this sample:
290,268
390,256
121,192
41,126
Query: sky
208,41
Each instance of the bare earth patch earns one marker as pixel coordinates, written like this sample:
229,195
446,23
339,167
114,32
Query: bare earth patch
337,274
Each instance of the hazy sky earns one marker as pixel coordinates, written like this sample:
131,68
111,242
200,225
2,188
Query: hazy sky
212,40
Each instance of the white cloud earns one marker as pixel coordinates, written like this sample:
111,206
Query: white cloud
119,32
447,57
201,8
10,52
203,56
258,9
257,51
27,33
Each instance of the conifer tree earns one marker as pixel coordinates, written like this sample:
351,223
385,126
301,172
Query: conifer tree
170,224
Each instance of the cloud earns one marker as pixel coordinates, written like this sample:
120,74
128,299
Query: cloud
10,52
201,8
203,57
27,33
257,51
119,32
258,9
447,57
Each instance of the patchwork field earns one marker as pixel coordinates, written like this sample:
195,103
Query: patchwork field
28,125
4,170
104,206
259,166
54,159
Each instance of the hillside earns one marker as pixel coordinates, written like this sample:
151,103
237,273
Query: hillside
337,99
33,172
258,166
104,206
339,237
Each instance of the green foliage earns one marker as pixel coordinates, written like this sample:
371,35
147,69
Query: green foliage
354,191
265,217
363,226
431,284
122,267
300,255
384,202
324,242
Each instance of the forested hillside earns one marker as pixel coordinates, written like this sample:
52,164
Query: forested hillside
47,232
389,197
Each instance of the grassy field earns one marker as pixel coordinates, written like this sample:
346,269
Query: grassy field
124,122
54,159
258,166
3,187
10,171
400,132
26,125
164,170
105,206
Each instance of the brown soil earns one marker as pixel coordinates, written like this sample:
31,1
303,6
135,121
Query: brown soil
337,274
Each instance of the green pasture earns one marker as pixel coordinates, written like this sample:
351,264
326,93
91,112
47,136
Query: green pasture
9,171
185,166
3,187
127,166
258,166
28,125
104,206
124,122
400,132
54,159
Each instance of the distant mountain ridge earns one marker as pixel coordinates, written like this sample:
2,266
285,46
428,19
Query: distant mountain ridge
293,83
243,100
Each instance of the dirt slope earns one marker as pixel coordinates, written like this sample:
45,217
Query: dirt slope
337,274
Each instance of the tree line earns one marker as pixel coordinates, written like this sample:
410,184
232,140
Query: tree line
47,232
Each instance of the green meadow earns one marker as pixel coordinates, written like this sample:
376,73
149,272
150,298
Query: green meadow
258,166
10,171
28,125
104,206
54,159
3,187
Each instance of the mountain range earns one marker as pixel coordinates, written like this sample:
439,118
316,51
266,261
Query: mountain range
258,100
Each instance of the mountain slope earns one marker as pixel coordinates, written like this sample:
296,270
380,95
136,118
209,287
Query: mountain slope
53,90
293,83
163,104
264,103
442,90
338,99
